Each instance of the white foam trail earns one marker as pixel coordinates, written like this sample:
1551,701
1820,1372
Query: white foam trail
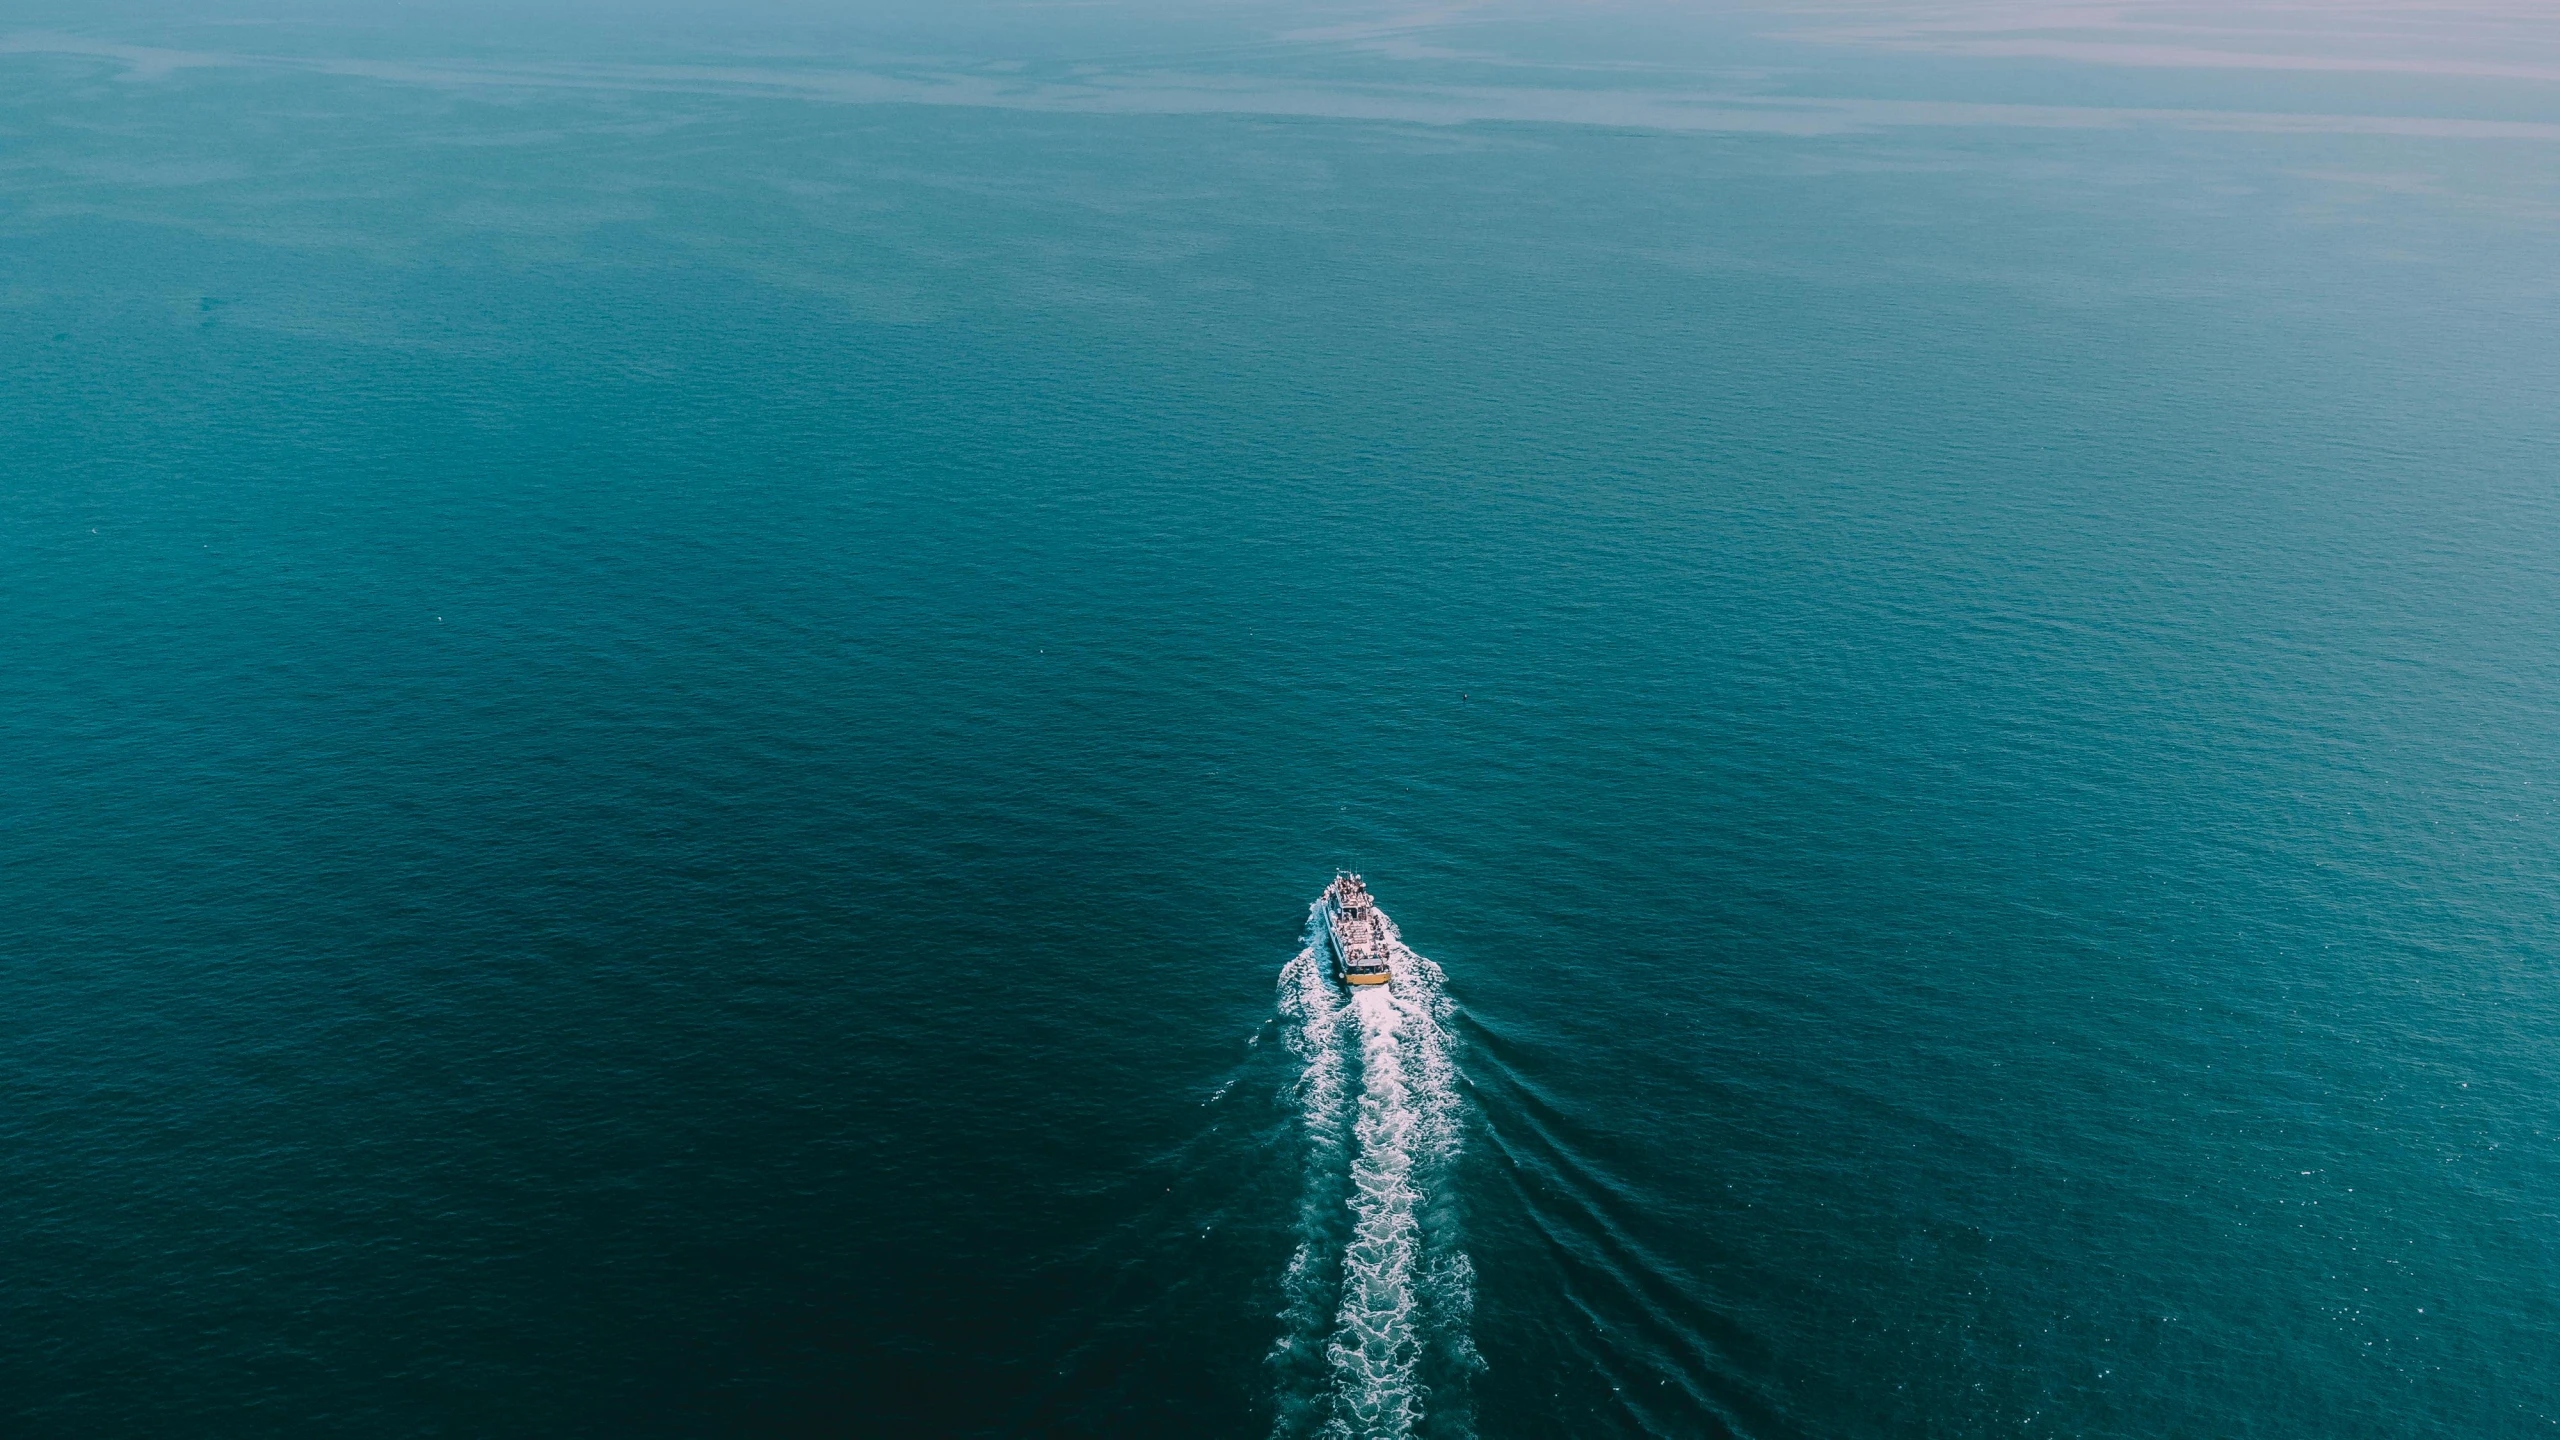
1389,1298
1375,1346
1313,1013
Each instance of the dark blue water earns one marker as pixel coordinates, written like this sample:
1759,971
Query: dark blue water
674,689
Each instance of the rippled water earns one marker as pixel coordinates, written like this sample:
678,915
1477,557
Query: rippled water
674,690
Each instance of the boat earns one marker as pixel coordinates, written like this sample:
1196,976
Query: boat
1355,934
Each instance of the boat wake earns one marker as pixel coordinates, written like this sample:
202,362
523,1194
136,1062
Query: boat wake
1378,1295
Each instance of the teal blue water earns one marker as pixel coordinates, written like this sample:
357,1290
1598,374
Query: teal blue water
675,684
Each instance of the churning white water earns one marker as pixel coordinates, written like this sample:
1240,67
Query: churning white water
1378,1294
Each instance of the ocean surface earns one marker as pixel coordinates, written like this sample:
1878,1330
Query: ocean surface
676,679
